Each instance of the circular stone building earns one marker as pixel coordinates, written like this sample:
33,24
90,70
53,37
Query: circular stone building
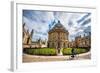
58,37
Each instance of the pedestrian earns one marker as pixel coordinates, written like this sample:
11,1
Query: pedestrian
73,53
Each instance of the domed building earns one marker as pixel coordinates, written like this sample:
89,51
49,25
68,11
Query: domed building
58,37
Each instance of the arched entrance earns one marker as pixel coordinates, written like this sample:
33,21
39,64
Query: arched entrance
58,48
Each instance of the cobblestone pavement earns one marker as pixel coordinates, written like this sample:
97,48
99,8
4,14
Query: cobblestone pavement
35,58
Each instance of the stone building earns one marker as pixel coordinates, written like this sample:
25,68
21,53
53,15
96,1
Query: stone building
27,40
27,37
58,37
72,44
84,41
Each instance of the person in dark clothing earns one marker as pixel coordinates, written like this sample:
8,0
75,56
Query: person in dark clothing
73,53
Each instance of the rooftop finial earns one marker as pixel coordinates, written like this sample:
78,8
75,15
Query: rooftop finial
58,21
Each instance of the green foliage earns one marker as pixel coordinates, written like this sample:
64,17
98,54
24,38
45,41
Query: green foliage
41,51
81,50
67,51
52,51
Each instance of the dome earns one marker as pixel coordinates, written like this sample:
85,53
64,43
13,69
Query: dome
58,26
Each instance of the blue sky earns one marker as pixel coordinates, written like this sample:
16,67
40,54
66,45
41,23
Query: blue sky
42,21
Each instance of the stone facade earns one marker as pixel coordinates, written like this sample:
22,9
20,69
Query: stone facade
27,37
58,37
84,41
72,44
27,40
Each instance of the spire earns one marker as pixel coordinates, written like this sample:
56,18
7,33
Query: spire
23,25
84,35
32,32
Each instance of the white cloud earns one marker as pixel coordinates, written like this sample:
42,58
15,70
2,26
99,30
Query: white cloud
40,21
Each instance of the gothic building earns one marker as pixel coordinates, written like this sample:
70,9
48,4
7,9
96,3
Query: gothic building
27,37
72,44
84,41
58,37
27,40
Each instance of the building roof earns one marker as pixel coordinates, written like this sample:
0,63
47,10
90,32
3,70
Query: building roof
58,26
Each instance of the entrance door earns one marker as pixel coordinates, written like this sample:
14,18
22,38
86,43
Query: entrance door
58,47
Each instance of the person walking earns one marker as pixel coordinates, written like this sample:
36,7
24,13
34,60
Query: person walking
73,53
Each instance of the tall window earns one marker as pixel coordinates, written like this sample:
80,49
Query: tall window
64,45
